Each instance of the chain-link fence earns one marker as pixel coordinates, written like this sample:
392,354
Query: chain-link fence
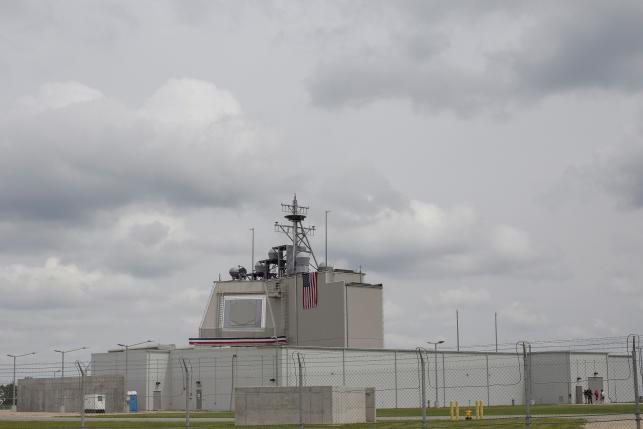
534,385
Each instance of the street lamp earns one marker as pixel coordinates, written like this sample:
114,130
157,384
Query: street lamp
14,406
435,345
127,346
62,373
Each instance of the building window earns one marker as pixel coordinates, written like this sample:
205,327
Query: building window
244,312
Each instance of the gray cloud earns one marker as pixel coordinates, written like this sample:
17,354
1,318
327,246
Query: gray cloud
622,176
593,45
562,47
124,191
188,145
384,230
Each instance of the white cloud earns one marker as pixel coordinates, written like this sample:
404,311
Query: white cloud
392,310
511,242
57,95
463,296
55,285
624,284
190,106
523,316
421,237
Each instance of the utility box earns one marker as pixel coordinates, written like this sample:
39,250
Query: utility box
94,403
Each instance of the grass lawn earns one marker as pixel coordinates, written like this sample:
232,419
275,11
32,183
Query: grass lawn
503,423
168,414
508,410
498,410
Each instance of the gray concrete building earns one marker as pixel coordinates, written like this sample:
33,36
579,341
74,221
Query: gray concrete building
281,301
347,313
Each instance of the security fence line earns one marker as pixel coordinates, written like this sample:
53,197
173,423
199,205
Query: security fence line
402,377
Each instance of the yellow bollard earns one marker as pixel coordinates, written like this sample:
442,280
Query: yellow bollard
457,410
451,411
481,410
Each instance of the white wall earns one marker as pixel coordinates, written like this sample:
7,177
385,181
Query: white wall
466,377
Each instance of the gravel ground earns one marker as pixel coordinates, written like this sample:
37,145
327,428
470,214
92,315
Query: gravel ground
8,414
611,422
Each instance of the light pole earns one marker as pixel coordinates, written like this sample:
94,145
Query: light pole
252,266
14,406
495,323
435,355
127,346
326,238
62,373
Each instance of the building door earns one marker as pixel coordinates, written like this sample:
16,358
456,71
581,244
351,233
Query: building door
156,400
199,401
595,384
580,397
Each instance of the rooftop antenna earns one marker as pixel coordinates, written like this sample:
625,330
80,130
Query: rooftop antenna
296,232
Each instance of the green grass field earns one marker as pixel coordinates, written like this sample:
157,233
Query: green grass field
167,414
503,423
498,410
508,410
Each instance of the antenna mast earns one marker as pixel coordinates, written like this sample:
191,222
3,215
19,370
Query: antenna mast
296,232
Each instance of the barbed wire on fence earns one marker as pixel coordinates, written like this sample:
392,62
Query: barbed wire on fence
206,378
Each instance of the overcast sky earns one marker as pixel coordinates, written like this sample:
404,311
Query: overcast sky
480,156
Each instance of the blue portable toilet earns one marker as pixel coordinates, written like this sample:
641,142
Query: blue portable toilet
132,400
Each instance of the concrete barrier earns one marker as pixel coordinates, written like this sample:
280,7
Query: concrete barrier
48,394
319,405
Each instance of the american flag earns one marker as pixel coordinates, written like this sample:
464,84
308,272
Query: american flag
309,297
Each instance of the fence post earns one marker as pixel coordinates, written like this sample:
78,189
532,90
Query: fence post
301,392
444,383
636,385
527,381
214,361
344,367
488,388
395,375
423,387
277,370
232,376
82,394
187,393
